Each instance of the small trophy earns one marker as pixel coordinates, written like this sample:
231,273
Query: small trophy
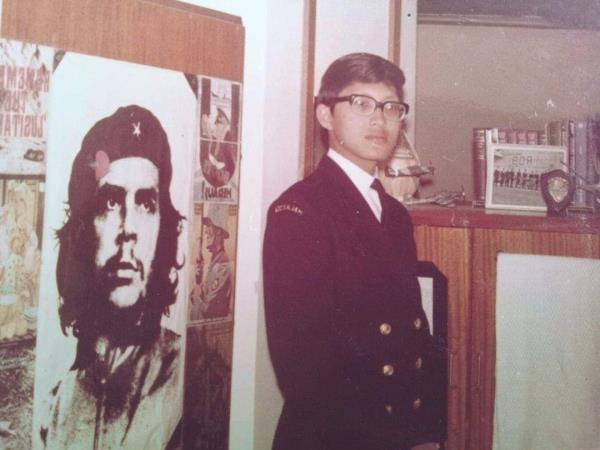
557,190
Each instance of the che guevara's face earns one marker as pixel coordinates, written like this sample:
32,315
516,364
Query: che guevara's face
126,225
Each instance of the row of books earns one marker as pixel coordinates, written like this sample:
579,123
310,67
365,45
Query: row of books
581,138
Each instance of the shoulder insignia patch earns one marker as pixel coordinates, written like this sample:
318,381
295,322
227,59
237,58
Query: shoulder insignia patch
289,207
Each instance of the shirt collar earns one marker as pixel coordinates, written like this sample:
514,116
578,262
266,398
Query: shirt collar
361,179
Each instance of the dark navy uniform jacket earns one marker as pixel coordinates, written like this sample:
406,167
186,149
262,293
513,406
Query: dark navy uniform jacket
348,336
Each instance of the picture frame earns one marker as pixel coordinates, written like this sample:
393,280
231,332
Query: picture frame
434,297
513,174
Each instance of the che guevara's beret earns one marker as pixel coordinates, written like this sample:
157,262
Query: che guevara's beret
132,131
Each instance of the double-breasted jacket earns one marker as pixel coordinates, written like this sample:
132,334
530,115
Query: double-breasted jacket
348,337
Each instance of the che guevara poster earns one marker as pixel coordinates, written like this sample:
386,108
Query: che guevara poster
110,352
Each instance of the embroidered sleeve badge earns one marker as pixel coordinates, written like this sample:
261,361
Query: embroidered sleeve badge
289,207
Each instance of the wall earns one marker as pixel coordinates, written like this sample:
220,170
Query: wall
271,136
254,17
486,76
344,26
270,156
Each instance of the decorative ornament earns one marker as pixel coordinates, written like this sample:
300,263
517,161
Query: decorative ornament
401,174
137,129
557,190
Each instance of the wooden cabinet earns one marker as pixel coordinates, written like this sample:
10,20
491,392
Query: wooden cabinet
464,243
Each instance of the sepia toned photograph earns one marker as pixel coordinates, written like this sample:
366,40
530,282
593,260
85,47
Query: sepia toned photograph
514,174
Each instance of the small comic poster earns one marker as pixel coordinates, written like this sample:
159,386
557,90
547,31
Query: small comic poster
208,386
213,255
25,72
216,175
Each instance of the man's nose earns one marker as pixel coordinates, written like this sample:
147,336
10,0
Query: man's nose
377,115
128,226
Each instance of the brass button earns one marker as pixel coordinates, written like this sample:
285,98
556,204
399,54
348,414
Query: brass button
388,370
419,363
389,409
385,328
418,323
416,404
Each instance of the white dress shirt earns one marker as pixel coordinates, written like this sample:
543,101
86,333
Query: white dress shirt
361,179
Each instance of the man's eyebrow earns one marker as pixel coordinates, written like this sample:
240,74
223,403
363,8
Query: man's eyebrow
146,193
111,190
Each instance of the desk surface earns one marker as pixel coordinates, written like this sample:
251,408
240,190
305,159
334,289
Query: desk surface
464,216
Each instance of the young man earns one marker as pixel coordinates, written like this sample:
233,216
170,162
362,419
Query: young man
348,336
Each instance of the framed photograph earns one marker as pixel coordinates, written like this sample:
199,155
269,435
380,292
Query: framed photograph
513,175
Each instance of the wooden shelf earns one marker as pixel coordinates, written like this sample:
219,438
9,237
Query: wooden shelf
469,217
463,242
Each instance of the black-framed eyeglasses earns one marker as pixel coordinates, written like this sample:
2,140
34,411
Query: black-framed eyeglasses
365,105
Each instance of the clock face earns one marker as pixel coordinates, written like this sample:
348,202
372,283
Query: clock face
558,188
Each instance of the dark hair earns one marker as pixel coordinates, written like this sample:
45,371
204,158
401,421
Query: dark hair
83,306
359,67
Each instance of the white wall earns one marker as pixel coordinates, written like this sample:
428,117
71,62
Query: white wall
250,225
496,76
271,136
270,155
349,26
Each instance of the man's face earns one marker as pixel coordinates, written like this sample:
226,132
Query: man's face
210,236
364,140
127,223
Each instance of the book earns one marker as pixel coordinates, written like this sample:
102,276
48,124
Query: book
554,132
479,167
593,162
580,161
531,137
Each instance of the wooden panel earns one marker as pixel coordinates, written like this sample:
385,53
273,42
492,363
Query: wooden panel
395,31
465,216
448,249
486,245
162,33
310,125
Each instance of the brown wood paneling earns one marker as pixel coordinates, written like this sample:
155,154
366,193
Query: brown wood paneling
159,33
395,27
310,124
465,216
448,249
487,243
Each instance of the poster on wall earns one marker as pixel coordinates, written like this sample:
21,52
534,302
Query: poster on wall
109,358
216,176
25,72
208,386
213,257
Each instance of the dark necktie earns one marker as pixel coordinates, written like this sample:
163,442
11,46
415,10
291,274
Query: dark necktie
376,184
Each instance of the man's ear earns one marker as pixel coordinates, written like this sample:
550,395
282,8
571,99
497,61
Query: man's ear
325,116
